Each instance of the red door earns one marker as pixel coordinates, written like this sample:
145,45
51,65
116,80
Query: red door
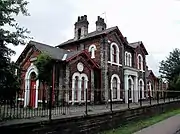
32,93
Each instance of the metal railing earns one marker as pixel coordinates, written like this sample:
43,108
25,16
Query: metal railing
63,103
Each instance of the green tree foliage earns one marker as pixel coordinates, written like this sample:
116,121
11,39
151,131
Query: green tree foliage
44,65
170,69
10,33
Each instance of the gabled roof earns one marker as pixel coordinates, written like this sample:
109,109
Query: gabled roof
90,35
53,52
150,72
139,43
85,52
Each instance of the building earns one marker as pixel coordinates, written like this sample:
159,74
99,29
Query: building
97,63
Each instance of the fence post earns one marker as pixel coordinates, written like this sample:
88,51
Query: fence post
86,111
110,95
164,96
140,98
50,103
150,97
157,97
128,98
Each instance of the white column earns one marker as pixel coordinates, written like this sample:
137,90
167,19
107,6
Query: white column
25,92
79,89
136,89
73,87
126,87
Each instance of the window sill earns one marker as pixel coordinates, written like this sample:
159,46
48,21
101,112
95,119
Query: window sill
81,101
113,63
142,71
115,100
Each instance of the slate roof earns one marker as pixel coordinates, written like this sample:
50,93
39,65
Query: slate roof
136,44
53,52
89,35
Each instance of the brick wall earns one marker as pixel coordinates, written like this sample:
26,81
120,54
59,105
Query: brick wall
91,124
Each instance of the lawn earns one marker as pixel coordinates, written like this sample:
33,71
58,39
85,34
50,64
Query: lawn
132,127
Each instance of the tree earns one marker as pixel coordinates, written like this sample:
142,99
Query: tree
44,65
8,10
170,69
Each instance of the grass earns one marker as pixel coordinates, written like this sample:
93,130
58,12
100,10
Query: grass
132,127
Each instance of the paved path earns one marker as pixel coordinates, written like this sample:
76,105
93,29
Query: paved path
168,126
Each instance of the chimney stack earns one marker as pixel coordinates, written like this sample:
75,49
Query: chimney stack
100,24
81,27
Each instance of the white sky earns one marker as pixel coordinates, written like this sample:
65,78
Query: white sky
155,22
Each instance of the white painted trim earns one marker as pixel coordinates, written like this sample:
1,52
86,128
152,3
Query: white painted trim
141,80
114,100
117,52
139,55
118,86
64,57
21,99
128,59
113,63
42,101
132,87
130,72
80,76
92,49
31,69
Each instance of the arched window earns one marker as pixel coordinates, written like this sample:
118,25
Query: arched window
140,62
76,89
115,87
92,50
79,86
141,88
128,59
149,87
82,88
131,87
114,53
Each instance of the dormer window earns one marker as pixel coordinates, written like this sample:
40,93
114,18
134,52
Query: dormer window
128,59
92,50
114,53
140,62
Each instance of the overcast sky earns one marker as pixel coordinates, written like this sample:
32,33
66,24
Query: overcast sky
155,22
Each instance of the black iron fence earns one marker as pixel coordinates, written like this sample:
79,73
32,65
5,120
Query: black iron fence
48,103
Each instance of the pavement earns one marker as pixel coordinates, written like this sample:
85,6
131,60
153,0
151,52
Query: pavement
168,126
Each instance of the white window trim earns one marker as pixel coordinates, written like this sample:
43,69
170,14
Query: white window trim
92,52
128,59
141,80
150,88
142,61
132,87
80,76
118,87
113,63
117,53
